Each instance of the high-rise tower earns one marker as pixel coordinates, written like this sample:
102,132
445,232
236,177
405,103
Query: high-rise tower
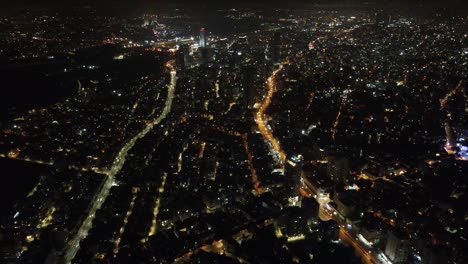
248,86
276,48
451,143
397,247
202,40
337,169
183,56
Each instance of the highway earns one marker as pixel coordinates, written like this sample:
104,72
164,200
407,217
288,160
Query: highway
260,118
73,244
360,250
368,255
443,101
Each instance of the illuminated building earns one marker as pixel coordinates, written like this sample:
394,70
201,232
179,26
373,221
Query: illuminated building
396,248
337,169
323,199
202,40
450,138
183,56
293,172
346,202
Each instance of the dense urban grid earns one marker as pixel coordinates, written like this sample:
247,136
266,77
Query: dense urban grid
325,135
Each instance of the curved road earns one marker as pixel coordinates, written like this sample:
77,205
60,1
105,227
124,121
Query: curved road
260,118
73,244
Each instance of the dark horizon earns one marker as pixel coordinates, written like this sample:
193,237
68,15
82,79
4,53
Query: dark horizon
129,7
243,3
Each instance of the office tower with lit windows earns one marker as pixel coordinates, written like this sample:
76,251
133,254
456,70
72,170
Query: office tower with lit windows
202,40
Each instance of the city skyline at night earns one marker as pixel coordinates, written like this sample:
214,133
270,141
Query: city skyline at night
183,132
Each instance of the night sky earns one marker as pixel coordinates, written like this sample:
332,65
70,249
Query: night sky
155,3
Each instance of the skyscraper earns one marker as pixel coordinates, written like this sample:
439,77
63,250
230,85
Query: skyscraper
450,138
337,169
183,56
249,91
205,56
202,40
276,48
383,18
397,249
